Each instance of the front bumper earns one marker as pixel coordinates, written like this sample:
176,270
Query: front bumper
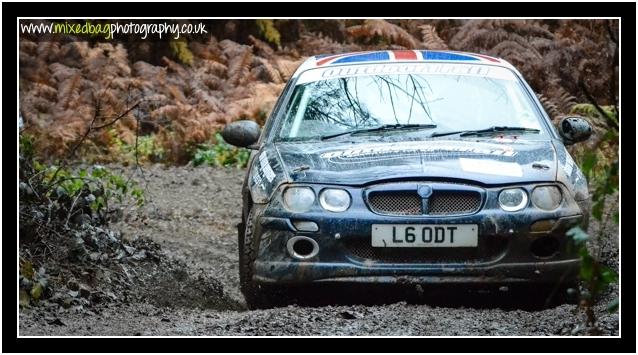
505,253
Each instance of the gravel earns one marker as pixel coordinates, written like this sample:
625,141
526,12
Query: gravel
192,215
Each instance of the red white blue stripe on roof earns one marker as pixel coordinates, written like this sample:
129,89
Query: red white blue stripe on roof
401,55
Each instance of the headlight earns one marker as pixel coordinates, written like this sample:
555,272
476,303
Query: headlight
547,197
334,200
512,200
298,199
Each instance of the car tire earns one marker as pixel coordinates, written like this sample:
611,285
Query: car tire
256,295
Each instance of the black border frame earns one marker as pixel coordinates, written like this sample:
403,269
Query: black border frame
626,11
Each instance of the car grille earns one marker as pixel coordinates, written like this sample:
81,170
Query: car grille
489,248
396,203
403,203
450,202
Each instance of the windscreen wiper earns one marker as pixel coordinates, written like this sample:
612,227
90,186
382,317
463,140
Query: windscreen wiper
385,127
490,130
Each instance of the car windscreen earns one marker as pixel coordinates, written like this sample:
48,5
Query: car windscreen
453,97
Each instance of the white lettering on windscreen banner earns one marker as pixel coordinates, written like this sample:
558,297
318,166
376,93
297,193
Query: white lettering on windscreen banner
343,71
419,148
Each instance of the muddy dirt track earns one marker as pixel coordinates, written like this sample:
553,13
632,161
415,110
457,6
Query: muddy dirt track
192,216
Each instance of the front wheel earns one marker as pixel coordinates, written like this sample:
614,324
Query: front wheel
256,295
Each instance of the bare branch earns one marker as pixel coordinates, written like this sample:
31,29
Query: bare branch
610,121
117,118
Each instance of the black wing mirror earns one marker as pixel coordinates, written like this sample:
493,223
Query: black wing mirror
574,129
243,133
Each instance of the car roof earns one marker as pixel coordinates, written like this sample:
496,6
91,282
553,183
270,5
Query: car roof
396,56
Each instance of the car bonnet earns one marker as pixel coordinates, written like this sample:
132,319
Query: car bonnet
497,161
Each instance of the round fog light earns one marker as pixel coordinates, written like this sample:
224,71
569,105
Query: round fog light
545,247
302,248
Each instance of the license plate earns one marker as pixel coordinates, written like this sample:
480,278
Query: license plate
424,235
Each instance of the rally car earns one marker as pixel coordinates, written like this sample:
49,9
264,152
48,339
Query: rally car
412,166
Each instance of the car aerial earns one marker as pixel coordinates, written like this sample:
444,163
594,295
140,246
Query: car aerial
408,166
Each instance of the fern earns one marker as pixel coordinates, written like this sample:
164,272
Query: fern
209,50
238,67
267,72
287,67
263,49
313,43
371,29
430,38
186,98
564,100
550,107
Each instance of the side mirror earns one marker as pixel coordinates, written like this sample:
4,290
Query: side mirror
574,129
241,133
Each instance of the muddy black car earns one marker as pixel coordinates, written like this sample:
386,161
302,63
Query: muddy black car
420,167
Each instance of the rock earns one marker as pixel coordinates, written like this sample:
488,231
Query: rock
120,255
89,198
38,215
85,291
117,215
348,315
73,293
57,297
129,249
113,236
26,189
60,191
81,219
56,321
25,283
92,242
78,250
73,285
138,256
